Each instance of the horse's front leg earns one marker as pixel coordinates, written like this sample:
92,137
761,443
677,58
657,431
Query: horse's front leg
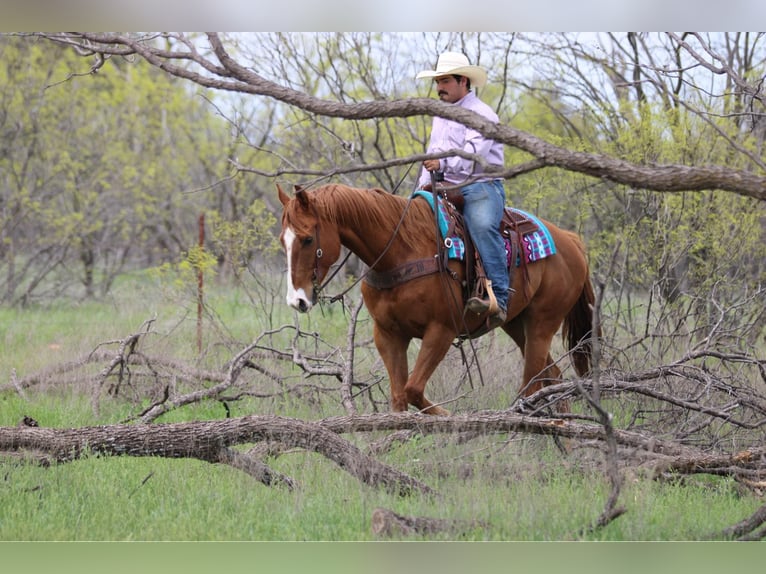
393,351
436,343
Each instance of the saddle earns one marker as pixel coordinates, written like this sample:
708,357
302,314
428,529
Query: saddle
513,227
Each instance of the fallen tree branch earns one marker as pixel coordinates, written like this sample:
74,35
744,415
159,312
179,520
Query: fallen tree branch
637,383
126,348
204,440
169,403
491,422
746,529
209,441
254,467
593,398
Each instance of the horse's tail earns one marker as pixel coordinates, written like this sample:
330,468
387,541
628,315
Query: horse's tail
577,330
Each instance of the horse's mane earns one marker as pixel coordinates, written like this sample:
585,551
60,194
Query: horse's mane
376,209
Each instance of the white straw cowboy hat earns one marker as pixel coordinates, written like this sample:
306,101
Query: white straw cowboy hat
456,63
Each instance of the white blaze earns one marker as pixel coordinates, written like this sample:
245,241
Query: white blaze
294,296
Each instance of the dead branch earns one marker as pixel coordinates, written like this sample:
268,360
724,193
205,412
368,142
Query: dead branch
491,422
387,523
169,403
593,398
348,372
55,373
128,363
254,467
745,464
384,444
624,384
126,348
246,358
746,529
16,385
664,454
209,441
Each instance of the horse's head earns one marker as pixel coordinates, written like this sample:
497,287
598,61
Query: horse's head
312,245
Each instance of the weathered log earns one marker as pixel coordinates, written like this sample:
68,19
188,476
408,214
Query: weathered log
205,440
208,441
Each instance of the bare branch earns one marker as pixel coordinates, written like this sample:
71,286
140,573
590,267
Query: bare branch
229,75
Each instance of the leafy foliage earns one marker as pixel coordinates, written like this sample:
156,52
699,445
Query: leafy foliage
94,169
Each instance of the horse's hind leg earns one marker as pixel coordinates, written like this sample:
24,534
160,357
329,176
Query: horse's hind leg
539,368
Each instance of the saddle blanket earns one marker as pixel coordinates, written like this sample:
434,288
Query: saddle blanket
535,245
457,248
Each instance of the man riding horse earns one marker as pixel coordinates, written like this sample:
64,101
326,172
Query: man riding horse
484,197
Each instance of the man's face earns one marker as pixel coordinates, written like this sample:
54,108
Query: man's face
449,89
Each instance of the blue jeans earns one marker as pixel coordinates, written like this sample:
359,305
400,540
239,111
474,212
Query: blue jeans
483,211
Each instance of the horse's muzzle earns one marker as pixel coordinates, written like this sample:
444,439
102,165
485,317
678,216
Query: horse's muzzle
299,301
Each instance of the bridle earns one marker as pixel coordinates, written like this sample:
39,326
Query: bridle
318,254
317,287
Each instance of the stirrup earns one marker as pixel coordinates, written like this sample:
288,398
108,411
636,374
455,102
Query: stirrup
496,319
478,305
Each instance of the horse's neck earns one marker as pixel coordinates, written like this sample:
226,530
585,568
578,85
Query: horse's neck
370,247
373,244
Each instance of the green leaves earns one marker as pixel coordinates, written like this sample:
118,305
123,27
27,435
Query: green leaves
94,168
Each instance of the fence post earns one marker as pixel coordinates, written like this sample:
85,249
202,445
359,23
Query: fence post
200,286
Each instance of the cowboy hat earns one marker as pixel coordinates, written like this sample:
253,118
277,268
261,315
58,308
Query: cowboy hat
456,63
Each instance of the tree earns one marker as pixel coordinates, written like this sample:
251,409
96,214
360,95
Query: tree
94,169
661,99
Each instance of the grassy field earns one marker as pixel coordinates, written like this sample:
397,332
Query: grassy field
521,490
514,487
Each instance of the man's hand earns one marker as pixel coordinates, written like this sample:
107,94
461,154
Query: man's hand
432,164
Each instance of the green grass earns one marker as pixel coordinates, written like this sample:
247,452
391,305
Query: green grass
519,488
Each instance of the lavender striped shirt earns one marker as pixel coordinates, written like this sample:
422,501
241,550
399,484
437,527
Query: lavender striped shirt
447,135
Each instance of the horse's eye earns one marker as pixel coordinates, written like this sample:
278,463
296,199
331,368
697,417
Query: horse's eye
306,241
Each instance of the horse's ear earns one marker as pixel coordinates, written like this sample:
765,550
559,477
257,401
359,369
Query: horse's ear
283,197
302,196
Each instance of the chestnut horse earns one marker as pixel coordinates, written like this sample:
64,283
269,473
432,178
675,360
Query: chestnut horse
385,231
